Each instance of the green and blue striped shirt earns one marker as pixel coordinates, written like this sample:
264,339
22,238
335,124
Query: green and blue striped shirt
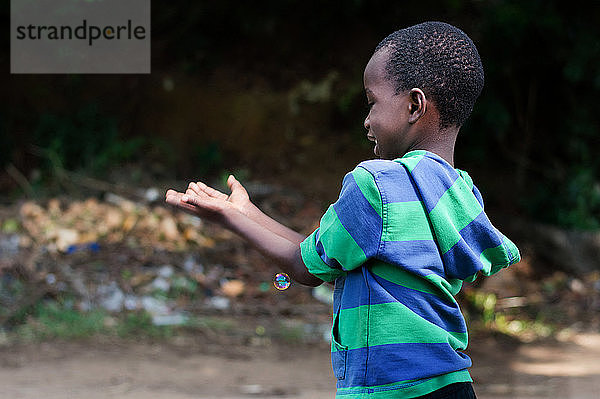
399,242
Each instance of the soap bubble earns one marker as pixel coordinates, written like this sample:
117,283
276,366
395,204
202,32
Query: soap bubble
281,281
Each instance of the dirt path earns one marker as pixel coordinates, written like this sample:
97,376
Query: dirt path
131,371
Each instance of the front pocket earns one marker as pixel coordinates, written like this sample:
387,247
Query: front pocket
338,360
339,353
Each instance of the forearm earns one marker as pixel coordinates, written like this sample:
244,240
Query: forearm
254,213
283,250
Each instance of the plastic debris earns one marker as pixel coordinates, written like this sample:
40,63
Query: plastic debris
131,302
91,246
161,284
110,297
166,271
50,279
152,194
65,238
218,303
154,306
9,245
175,319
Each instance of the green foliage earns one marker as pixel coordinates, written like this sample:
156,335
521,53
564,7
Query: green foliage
183,287
482,314
576,204
50,320
484,303
140,325
84,139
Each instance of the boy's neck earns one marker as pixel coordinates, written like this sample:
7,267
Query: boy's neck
440,143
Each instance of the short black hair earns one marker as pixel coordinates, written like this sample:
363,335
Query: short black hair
441,60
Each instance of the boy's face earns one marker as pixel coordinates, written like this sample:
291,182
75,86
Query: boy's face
387,122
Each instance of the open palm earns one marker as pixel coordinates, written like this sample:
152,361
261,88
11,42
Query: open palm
207,202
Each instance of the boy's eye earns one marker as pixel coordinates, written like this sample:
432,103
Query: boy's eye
370,104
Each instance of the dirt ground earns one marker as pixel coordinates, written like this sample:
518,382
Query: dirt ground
568,369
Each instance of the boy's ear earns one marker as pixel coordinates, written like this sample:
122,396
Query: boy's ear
417,105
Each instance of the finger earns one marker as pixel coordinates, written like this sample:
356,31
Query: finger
196,201
191,209
170,192
196,189
193,193
174,199
211,192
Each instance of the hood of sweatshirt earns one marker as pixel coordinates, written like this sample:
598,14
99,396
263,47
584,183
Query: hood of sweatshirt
467,240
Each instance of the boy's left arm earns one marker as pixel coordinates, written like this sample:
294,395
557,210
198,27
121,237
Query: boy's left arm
228,212
241,200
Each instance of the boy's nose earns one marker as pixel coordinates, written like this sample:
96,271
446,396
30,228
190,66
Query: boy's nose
367,123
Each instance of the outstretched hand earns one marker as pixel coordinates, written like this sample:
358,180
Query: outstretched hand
238,214
209,203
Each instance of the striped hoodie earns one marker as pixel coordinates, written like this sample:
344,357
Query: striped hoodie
399,242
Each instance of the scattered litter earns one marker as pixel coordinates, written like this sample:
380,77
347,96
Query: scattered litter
9,245
161,284
576,286
50,279
166,271
154,306
110,297
176,319
218,302
114,254
152,194
65,238
131,302
232,288
91,246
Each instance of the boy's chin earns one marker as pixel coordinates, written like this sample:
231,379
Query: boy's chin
376,151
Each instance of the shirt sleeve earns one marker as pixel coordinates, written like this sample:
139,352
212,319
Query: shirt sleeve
349,232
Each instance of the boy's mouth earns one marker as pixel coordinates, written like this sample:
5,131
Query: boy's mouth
373,139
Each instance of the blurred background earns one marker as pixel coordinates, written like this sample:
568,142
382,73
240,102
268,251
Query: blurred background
136,300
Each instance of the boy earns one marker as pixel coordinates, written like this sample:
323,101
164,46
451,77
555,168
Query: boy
405,233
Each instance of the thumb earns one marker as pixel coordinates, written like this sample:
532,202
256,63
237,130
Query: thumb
233,183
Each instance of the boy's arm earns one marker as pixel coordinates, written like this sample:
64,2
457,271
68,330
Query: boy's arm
240,199
284,250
